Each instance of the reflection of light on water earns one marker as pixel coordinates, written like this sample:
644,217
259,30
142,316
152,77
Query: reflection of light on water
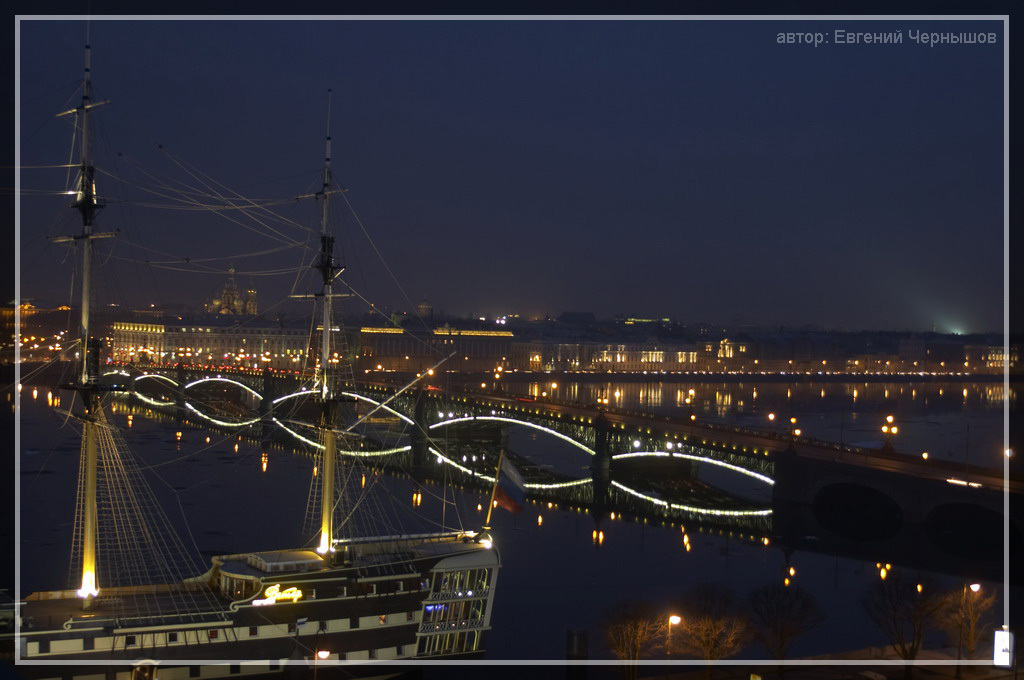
263,460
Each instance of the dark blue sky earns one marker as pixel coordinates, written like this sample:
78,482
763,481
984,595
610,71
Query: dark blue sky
692,169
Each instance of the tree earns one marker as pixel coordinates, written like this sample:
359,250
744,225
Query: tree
631,631
903,612
780,614
963,611
711,627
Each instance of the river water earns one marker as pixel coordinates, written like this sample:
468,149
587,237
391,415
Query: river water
554,577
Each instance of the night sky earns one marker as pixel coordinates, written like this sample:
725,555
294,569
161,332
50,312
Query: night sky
690,169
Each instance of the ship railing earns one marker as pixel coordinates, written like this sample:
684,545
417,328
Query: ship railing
459,594
437,536
444,626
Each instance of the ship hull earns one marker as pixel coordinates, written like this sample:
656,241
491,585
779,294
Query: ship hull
373,601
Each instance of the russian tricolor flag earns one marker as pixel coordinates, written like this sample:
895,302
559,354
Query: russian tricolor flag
511,491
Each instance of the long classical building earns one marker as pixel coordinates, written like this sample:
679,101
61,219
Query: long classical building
210,340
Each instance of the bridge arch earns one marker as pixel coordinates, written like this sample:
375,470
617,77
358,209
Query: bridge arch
227,380
513,421
702,459
490,478
697,510
156,376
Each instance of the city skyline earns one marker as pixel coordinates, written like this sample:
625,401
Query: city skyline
696,170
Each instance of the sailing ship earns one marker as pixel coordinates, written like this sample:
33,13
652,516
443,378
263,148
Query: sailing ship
135,600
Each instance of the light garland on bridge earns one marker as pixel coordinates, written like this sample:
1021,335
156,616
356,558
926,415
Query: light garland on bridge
690,508
228,380
490,479
572,441
292,395
348,452
465,469
222,423
156,375
559,485
153,402
704,459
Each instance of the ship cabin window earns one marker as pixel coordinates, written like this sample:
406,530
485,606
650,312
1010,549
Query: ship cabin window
89,643
172,637
353,622
44,646
382,619
213,634
235,668
291,627
193,671
129,641
409,616
400,650
253,631
373,653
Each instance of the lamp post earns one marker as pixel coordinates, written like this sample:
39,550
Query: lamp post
673,620
975,587
889,429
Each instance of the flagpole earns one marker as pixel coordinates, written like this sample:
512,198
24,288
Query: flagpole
494,489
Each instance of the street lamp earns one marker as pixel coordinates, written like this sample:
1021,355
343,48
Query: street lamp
889,429
975,587
673,620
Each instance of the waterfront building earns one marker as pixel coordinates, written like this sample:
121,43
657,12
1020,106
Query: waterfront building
211,340
390,348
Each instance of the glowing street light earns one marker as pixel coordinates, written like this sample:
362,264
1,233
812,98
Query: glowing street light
889,430
673,620
975,587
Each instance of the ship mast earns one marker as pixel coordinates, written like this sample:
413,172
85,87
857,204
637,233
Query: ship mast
328,272
88,205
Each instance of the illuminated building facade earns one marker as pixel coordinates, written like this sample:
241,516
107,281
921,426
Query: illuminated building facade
209,341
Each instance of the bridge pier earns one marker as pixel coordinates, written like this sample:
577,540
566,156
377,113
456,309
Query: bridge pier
179,393
600,469
266,403
418,439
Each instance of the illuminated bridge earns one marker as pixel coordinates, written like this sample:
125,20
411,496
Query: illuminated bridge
821,493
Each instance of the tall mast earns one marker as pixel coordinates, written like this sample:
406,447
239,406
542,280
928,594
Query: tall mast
328,271
88,206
